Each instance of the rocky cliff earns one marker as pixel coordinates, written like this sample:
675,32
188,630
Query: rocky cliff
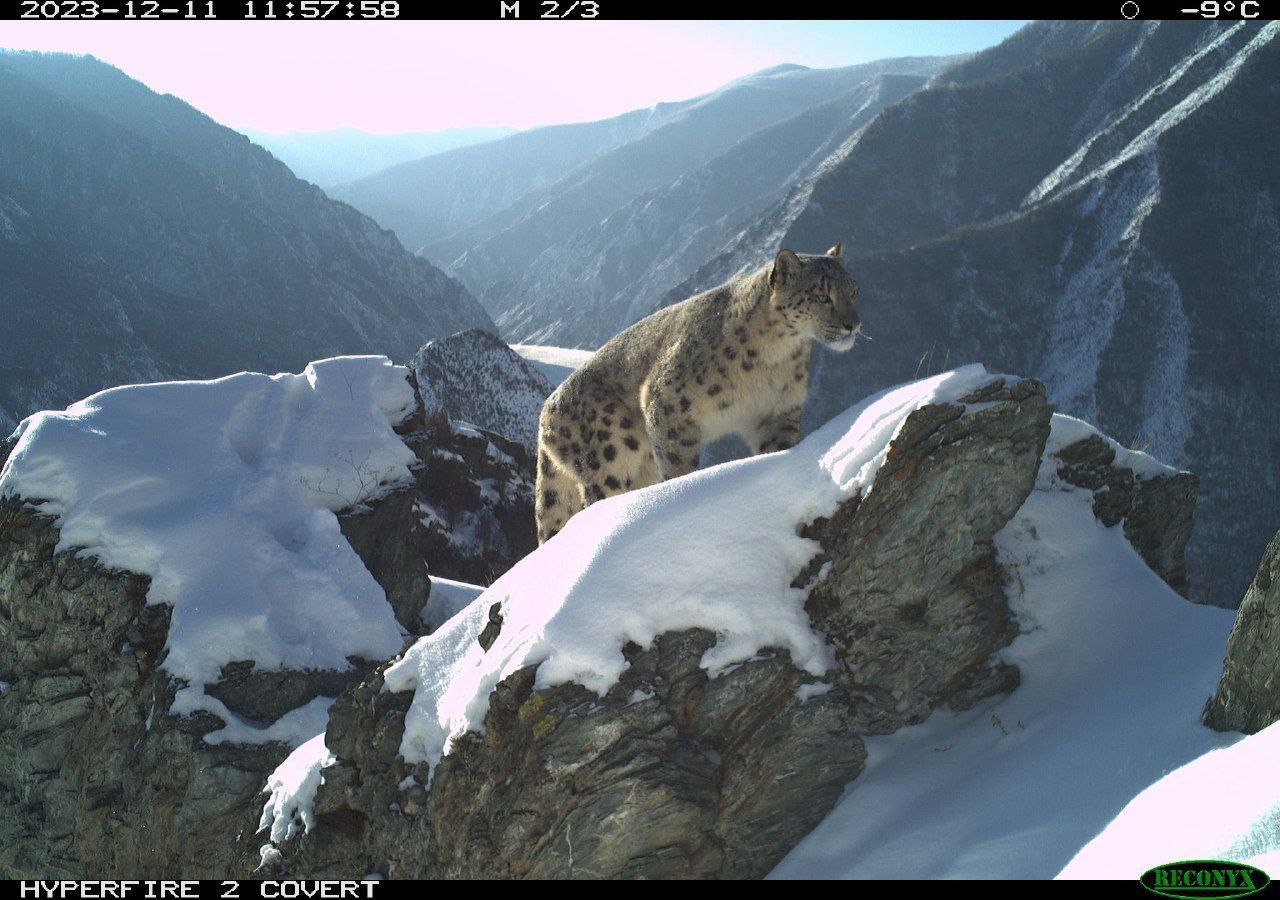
475,377
98,775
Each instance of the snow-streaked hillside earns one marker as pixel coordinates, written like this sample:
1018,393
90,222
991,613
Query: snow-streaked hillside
1094,204
140,241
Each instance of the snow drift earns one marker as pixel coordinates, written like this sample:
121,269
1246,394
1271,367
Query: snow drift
224,492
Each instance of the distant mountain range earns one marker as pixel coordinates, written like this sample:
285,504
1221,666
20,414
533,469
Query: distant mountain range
563,231
327,158
1094,204
140,240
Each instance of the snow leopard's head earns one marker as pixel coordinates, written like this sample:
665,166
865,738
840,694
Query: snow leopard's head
815,295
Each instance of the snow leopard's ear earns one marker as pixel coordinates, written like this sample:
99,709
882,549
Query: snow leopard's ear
785,266
835,251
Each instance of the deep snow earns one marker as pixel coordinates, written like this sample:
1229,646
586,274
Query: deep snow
224,493
1223,805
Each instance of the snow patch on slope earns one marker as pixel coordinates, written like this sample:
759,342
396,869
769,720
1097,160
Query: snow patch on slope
1083,320
224,493
1223,805
555,363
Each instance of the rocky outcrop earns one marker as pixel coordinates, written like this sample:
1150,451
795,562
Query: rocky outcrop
474,377
1248,697
1158,510
469,513
96,778
672,773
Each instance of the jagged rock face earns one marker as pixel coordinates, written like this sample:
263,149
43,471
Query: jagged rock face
1248,697
476,378
1158,511
469,514
95,778
914,600
674,774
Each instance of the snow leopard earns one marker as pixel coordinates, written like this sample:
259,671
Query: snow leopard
734,359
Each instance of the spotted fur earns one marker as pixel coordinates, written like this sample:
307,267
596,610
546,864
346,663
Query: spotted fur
734,359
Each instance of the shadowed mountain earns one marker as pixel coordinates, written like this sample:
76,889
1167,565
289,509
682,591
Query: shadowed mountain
141,240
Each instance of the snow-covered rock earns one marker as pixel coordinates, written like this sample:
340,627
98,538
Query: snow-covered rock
190,572
875,653
475,377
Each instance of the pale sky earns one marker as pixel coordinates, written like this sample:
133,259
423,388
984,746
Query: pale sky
388,77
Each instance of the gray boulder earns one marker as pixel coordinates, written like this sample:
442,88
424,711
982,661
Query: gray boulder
1158,511
1248,697
474,377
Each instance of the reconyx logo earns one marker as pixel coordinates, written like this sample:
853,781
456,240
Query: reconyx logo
1204,878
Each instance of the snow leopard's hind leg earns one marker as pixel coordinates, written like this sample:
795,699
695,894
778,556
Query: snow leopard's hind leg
559,495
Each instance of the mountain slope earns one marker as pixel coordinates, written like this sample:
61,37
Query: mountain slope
583,288
428,199
1095,205
563,232
141,240
345,154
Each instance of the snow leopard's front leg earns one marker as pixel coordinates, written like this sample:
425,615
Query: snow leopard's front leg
673,431
778,431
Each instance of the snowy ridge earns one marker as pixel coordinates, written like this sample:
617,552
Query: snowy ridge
569,607
555,363
224,493
1223,805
